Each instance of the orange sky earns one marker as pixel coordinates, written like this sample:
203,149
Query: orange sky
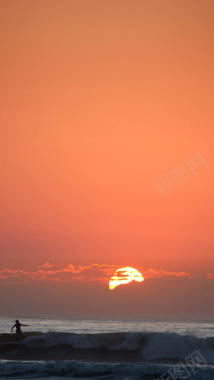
98,100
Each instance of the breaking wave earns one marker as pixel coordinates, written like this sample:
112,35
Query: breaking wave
151,346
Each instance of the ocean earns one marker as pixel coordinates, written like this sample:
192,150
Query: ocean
57,347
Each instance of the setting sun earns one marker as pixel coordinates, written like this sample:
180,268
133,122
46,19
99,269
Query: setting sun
124,276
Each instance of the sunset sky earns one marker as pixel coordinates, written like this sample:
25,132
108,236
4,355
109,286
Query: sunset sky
107,132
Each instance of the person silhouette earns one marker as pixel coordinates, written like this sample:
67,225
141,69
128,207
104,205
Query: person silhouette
18,329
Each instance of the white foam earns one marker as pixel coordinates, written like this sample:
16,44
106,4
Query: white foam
74,368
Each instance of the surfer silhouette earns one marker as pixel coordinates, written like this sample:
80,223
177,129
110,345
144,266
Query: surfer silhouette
18,328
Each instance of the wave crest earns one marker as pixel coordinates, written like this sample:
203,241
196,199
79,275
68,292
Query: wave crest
152,346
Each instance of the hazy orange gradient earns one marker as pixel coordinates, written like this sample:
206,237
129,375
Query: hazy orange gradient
100,99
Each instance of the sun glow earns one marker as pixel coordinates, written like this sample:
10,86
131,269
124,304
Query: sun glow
124,276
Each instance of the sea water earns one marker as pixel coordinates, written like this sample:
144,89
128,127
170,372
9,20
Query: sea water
155,340
203,327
